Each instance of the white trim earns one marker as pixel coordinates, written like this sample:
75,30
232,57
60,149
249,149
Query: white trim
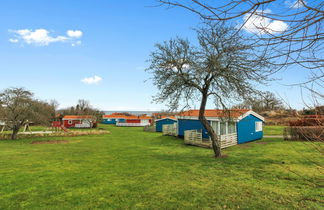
165,119
251,113
226,127
258,126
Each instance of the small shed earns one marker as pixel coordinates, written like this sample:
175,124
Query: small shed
114,118
79,121
244,125
164,121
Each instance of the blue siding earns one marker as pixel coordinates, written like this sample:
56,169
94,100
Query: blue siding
246,130
111,121
160,123
184,125
121,120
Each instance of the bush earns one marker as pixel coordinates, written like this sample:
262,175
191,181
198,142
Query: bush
308,120
54,134
304,133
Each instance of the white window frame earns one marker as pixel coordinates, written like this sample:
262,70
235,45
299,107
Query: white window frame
70,122
258,126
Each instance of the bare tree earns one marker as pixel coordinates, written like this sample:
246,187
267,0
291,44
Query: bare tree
83,107
223,67
293,33
18,107
266,101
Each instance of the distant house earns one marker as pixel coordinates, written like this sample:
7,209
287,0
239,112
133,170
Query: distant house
244,125
127,120
165,120
79,121
114,118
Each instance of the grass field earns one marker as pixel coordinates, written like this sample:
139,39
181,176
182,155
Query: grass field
275,130
131,169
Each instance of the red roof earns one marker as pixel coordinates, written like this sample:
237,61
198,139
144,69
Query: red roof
216,113
127,117
115,116
78,117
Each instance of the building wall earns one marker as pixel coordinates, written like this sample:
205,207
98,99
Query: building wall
111,121
246,130
121,120
159,124
184,125
67,125
133,121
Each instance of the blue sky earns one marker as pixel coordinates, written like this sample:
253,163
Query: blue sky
115,42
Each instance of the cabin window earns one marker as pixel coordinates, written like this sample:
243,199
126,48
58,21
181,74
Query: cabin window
258,126
231,127
222,128
214,125
70,122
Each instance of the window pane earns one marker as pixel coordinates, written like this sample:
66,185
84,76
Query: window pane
258,126
214,125
231,127
222,128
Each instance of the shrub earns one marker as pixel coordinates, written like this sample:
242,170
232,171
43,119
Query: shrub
304,133
308,120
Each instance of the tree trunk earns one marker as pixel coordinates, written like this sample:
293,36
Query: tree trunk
15,131
213,136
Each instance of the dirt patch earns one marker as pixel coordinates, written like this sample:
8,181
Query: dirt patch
261,142
51,142
245,146
224,156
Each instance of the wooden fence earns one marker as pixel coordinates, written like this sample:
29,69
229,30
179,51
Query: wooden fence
131,124
228,140
194,137
170,129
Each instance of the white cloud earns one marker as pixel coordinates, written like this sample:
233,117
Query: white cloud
42,37
295,4
92,80
74,34
77,43
13,40
258,24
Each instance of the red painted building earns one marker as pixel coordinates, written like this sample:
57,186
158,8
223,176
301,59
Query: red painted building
79,121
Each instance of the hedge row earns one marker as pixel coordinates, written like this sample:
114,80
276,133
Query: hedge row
7,136
304,133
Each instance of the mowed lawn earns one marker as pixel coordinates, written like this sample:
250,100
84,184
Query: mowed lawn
273,130
132,169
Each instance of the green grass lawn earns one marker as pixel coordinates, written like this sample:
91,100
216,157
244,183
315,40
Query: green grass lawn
132,169
273,130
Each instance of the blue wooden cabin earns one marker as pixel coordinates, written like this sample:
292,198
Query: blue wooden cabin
247,124
165,121
113,119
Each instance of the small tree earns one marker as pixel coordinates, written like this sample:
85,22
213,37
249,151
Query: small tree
83,107
224,66
18,107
